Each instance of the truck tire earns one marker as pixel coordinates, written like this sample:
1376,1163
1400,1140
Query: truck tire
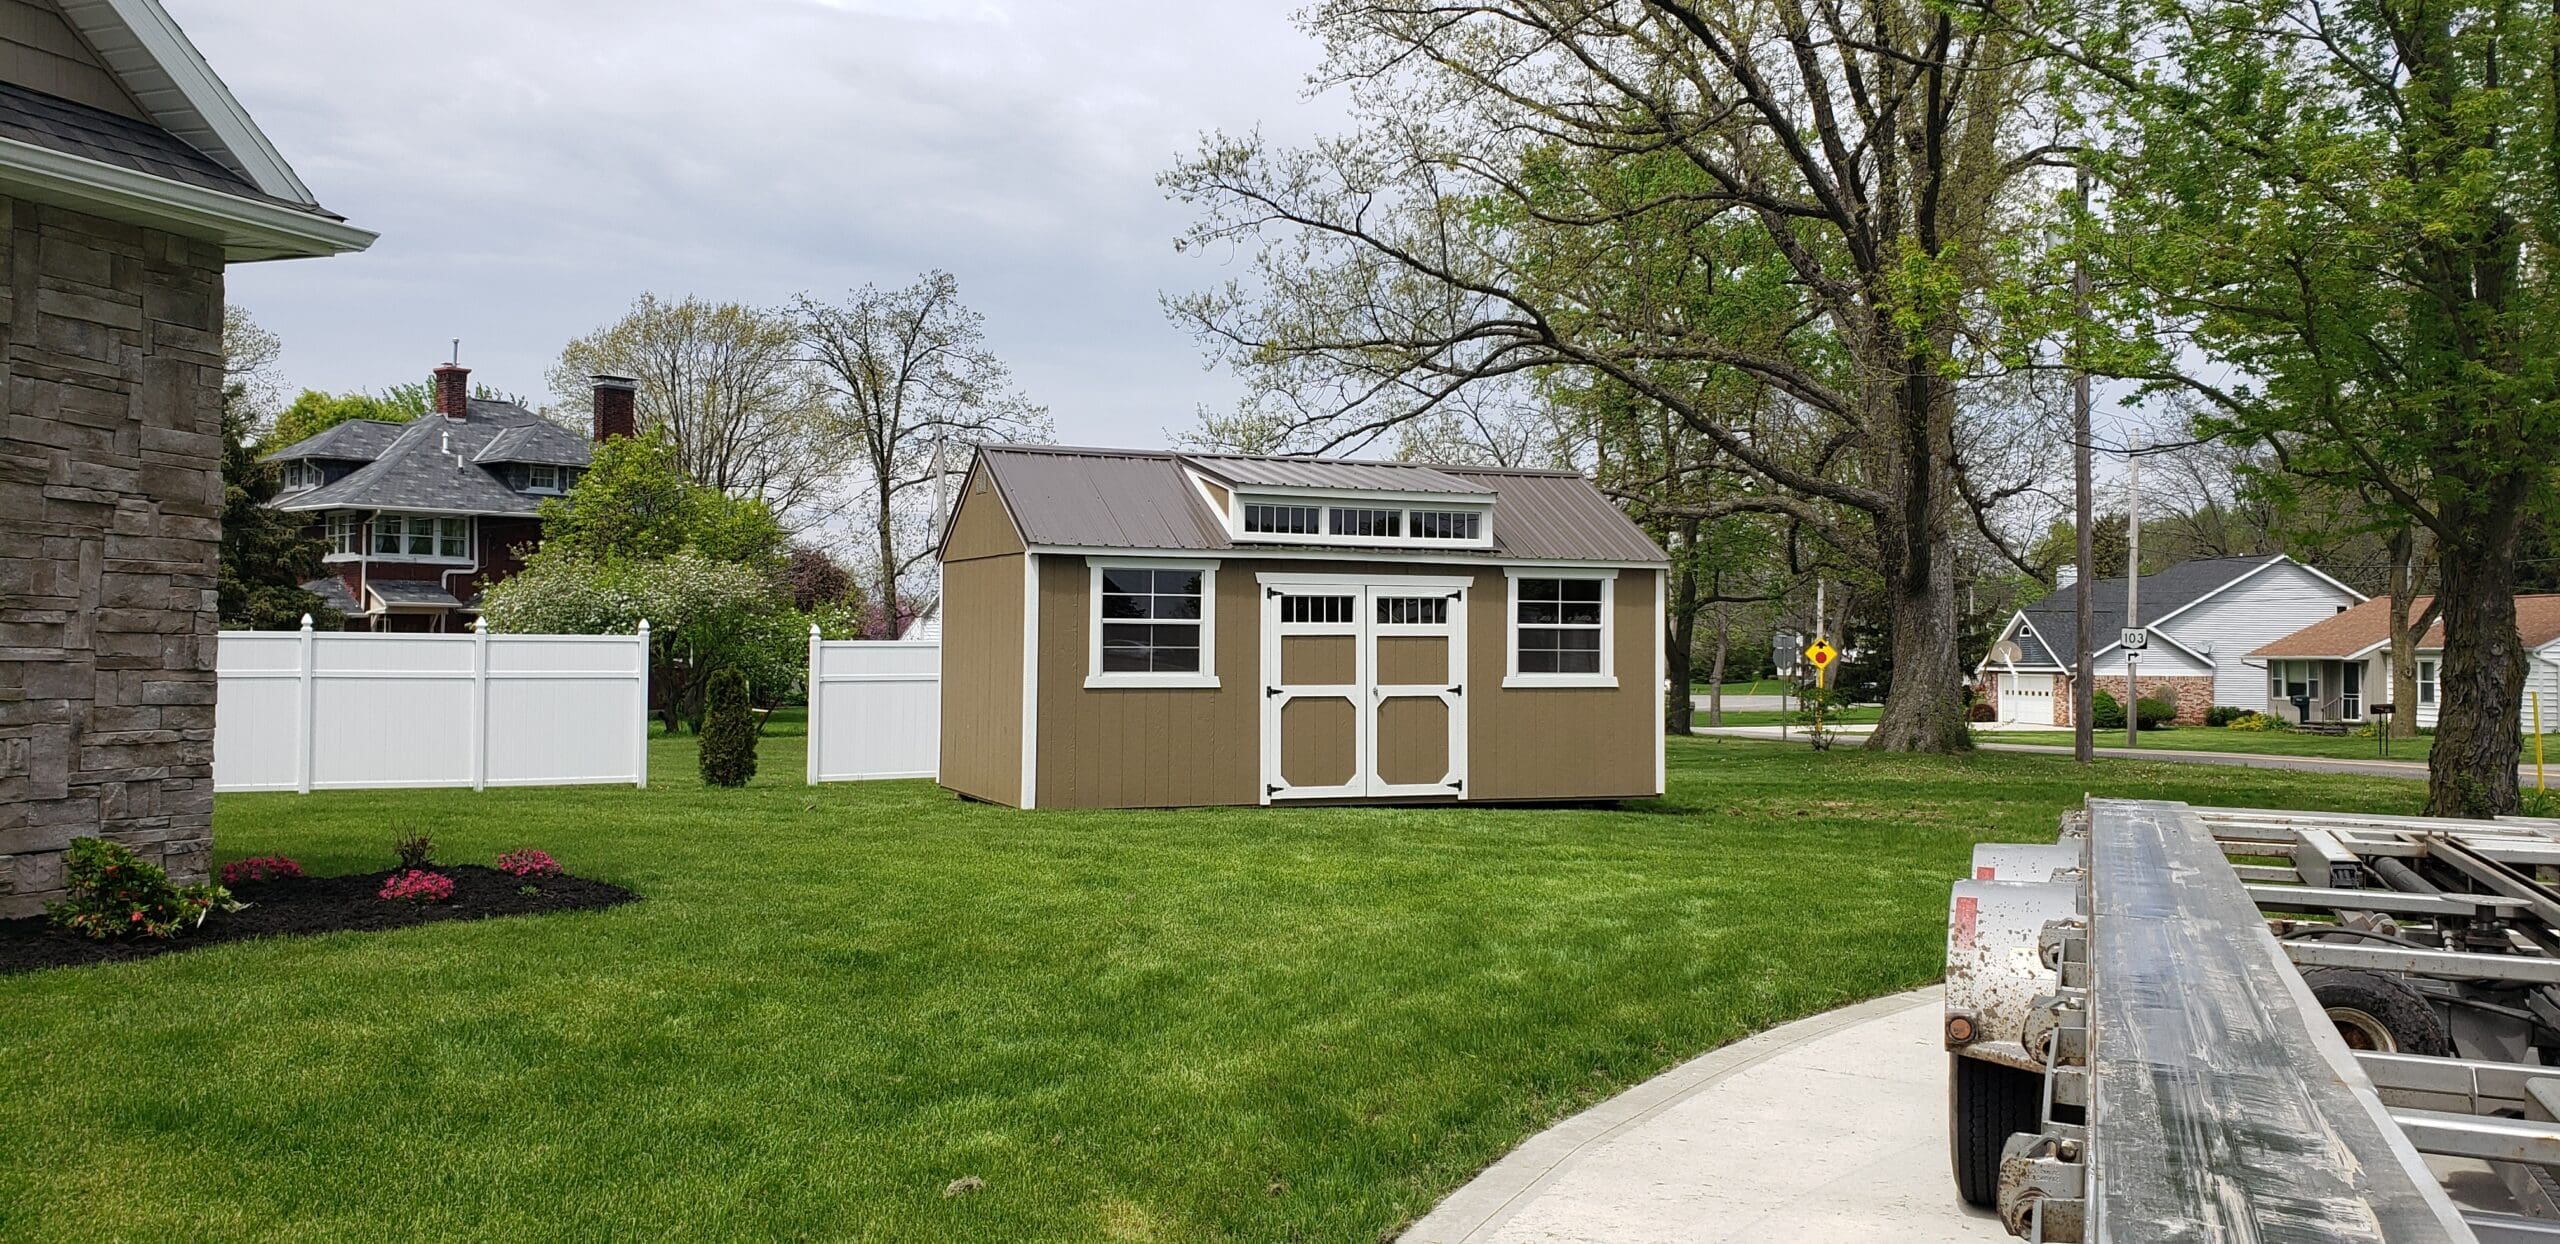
1987,1103
2379,1013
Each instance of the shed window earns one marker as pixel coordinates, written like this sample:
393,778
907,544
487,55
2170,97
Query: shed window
1560,630
1152,626
1385,524
1284,520
1446,524
1316,609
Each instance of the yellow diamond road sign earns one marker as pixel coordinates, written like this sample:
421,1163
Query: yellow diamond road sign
1821,653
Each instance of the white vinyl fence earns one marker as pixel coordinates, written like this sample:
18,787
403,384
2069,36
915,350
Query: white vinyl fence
305,711
875,709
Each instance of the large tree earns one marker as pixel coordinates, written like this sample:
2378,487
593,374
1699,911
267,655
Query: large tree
911,384
1527,173
2337,225
726,384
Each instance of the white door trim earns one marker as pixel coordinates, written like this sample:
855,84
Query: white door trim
1365,694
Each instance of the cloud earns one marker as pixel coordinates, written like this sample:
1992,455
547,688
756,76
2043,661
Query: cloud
532,168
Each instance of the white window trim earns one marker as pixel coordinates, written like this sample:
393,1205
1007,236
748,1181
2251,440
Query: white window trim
1325,502
559,477
1608,675
301,475
1094,676
2430,675
373,533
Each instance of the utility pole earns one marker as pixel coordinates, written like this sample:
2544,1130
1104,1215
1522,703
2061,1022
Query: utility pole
2084,745
2132,588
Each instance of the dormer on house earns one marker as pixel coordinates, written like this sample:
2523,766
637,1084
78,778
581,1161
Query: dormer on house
419,516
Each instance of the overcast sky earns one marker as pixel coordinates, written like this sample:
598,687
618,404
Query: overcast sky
533,167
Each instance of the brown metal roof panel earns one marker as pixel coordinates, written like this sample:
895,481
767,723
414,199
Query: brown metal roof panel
1099,500
1560,517
1333,473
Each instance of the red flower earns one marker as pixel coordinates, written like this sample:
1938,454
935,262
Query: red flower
137,917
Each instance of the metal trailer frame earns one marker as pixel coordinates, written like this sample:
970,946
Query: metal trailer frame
2147,972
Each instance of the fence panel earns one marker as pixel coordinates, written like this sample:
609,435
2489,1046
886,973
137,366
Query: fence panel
329,711
875,709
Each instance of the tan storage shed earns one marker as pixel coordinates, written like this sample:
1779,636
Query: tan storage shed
1132,629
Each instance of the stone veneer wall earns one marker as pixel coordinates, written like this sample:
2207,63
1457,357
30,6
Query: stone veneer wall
110,513
2193,692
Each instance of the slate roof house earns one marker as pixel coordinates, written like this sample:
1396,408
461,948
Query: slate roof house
1138,629
2202,617
419,515
129,177
2341,666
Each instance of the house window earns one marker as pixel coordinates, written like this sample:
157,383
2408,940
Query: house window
2275,680
300,474
2426,682
1446,524
1283,520
1413,610
1384,524
1152,625
1560,630
345,536
422,536
544,477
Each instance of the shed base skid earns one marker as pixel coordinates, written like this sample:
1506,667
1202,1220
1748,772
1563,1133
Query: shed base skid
2232,1024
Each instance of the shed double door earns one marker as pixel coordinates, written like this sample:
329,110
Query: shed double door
1364,687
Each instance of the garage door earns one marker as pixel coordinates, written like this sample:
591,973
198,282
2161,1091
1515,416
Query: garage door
2026,697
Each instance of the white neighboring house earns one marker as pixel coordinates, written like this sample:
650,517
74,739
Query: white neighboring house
927,626
2202,618
2340,667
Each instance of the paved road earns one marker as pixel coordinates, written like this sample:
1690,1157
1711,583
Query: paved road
2246,760
1827,1129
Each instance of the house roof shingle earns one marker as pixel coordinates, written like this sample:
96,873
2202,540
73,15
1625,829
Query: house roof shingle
2368,626
356,440
430,464
1141,499
59,124
2055,618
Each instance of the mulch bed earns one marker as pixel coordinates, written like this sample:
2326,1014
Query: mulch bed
296,906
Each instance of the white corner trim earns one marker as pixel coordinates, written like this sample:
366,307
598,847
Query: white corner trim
1030,680
255,229
1662,683
1095,678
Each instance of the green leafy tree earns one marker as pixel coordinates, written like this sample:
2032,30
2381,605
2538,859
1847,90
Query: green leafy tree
315,412
728,732
266,555
2335,228
638,502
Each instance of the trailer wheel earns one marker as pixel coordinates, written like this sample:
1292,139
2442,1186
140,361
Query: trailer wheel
2378,1013
1987,1103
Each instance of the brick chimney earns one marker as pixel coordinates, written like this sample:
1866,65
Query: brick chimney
616,406
453,391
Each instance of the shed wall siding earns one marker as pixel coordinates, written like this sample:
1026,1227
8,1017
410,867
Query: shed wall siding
980,527
2274,603
982,677
1178,747
110,511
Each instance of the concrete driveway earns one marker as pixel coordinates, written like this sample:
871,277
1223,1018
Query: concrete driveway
1830,1128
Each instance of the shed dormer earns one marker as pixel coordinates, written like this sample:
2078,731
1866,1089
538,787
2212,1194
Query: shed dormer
1318,501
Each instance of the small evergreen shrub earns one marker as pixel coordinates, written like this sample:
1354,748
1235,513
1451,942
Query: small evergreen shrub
111,892
528,863
259,868
2106,712
728,731
416,851
1982,711
416,886
2157,712
2221,715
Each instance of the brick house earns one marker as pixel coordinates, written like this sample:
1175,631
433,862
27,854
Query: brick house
2201,616
129,177
419,516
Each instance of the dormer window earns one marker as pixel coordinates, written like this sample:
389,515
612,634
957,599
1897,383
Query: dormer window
544,477
1447,524
1373,520
303,473
1284,520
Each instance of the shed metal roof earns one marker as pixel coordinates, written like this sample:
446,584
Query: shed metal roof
1138,499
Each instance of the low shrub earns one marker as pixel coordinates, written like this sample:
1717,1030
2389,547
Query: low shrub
111,892
2156,712
416,851
259,868
416,886
2256,722
2106,712
1982,711
2221,715
528,863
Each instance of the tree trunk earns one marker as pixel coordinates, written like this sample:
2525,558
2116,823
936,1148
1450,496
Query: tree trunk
1681,641
1715,678
888,566
2472,769
2405,631
1924,709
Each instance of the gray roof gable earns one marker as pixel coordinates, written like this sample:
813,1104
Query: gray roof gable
2055,618
356,440
1141,499
432,464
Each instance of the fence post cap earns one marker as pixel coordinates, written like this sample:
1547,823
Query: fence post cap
306,621
480,626
813,630
644,626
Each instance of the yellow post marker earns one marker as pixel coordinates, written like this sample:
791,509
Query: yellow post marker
1822,654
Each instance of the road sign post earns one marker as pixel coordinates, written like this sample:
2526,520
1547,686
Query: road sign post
1821,654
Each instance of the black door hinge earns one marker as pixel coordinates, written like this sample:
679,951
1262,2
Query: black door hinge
1268,692
1271,790
1460,689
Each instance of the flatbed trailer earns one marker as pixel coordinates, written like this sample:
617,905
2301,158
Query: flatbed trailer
2230,1024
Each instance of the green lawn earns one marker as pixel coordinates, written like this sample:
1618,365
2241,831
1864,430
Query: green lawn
1235,1024
2254,742
1855,716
